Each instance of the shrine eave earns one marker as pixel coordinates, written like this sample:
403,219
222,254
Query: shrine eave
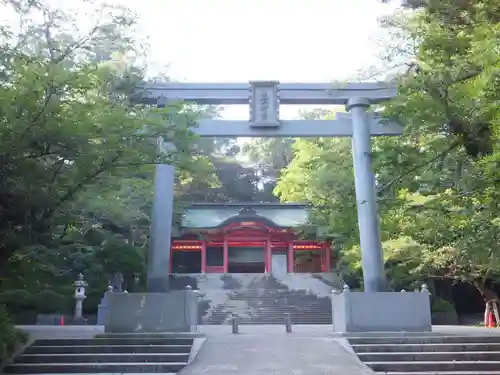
215,215
292,205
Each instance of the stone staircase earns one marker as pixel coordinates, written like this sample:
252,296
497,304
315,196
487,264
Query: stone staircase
266,300
263,306
430,354
107,353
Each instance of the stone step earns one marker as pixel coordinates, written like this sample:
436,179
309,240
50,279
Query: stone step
424,340
277,295
271,310
92,368
103,358
270,321
441,373
449,347
159,335
245,314
266,310
279,303
358,335
266,290
278,299
290,301
436,366
276,322
260,319
259,305
87,349
263,317
265,313
271,314
276,305
260,323
270,305
432,356
280,295
267,319
114,341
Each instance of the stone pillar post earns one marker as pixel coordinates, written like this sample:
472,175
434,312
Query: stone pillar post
290,258
203,256
368,220
161,230
268,257
159,255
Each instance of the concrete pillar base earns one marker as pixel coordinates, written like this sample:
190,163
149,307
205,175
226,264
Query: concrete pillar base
381,312
176,311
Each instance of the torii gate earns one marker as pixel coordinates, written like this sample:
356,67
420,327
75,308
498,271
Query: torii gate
264,99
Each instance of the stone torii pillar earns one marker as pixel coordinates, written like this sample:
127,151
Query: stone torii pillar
159,251
366,198
161,230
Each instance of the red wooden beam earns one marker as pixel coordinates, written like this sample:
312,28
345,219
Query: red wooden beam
225,256
328,258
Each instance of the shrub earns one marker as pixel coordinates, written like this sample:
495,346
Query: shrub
10,337
17,299
441,306
50,302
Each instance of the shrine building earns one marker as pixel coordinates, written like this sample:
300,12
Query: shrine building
247,238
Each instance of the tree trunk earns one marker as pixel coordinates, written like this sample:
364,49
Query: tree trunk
491,301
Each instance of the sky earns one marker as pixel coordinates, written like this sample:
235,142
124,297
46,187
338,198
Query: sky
243,40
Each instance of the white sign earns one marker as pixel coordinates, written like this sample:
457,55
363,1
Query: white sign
264,104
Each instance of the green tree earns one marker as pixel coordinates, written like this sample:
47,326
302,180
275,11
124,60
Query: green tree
66,119
438,182
449,105
269,155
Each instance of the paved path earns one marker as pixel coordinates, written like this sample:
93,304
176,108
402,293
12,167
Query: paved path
273,353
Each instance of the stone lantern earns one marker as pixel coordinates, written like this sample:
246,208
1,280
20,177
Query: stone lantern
137,279
80,296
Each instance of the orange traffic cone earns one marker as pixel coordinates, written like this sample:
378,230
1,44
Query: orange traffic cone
491,322
61,322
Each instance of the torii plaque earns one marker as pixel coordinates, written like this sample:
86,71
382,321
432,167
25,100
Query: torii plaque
264,99
264,104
